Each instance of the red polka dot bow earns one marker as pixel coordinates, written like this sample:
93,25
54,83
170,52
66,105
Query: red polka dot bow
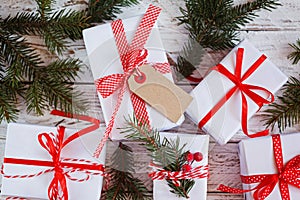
62,168
288,174
245,89
132,56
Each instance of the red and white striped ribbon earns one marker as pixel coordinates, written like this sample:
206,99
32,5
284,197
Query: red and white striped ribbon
131,56
195,173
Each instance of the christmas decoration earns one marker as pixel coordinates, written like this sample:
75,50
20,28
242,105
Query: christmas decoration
169,157
98,11
24,74
295,56
113,59
122,184
285,112
51,163
241,84
215,24
271,169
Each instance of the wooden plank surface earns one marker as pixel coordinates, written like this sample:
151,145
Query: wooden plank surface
270,33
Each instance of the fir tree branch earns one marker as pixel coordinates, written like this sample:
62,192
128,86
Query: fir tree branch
8,109
295,56
98,11
44,7
122,184
189,57
286,112
214,23
165,153
20,57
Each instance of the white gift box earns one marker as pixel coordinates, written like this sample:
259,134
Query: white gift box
195,143
104,60
257,157
227,121
22,143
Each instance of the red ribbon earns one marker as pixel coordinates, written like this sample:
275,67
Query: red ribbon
245,90
132,56
54,144
175,176
286,174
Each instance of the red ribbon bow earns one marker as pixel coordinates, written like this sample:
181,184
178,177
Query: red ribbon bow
131,56
287,174
245,90
54,144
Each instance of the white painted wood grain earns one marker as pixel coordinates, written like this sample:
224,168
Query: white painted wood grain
270,33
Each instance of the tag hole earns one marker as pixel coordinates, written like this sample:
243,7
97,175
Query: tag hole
140,79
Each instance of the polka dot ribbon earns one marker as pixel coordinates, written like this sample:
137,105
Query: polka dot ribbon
62,168
245,90
175,176
288,174
132,56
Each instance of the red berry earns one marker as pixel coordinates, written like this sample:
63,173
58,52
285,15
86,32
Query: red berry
189,157
186,168
198,156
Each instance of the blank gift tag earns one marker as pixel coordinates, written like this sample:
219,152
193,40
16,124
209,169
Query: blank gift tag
159,92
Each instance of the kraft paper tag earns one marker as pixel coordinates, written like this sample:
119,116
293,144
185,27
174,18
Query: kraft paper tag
159,92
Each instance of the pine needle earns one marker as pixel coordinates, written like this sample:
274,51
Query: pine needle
215,24
168,154
122,184
295,56
286,111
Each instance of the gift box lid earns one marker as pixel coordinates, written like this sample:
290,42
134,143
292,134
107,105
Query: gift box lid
194,143
104,60
257,157
227,121
22,143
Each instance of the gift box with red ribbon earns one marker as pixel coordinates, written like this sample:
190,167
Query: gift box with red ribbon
51,163
115,51
269,168
198,172
233,91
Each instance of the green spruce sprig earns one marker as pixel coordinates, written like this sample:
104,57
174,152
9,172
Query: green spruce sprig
189,57
123,186
167,154
286,111
100,10
295,56
215,24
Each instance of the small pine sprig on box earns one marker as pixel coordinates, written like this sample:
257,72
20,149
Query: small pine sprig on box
122,184
166,154
215,23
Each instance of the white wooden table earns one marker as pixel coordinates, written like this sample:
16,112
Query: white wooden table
270,33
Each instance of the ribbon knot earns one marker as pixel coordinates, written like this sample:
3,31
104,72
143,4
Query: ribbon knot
132,55
63,168
246,90
287,174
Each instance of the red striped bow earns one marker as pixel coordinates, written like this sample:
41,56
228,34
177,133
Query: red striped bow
132,56
63,168
245,90
175,176
287,174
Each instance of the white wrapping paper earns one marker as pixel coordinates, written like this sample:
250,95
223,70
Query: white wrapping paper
257,157
22,142
227,121
104,60
195,143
